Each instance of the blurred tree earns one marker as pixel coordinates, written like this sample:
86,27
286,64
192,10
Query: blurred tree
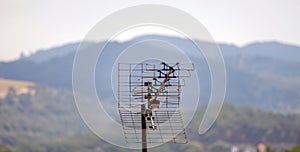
11,96
270,149
296,149
4,148
220,146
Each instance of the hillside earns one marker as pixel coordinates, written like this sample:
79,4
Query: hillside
21,87
48,54
48,114
251,126
262,75
48,121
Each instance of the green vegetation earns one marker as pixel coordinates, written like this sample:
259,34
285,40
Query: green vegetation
49,114
250,126
91,143
220,146
49,121
4,148
264,83
295,149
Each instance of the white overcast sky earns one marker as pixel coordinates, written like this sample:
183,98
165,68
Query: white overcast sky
30,25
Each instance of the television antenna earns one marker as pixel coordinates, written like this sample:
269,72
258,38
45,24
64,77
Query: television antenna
148,100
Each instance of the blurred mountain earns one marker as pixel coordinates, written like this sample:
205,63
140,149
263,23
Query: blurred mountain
263,75
48,54
275,50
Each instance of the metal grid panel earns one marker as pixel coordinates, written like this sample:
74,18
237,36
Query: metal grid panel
169,127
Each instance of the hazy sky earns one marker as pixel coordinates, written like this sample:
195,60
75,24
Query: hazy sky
30,25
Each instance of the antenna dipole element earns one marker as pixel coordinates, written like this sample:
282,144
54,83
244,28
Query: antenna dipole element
163,83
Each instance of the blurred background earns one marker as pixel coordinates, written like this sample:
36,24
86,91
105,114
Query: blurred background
260,43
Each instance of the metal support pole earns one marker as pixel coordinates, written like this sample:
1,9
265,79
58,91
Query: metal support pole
144,129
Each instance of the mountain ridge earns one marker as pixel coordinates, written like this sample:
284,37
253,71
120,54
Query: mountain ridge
43,55
253,79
